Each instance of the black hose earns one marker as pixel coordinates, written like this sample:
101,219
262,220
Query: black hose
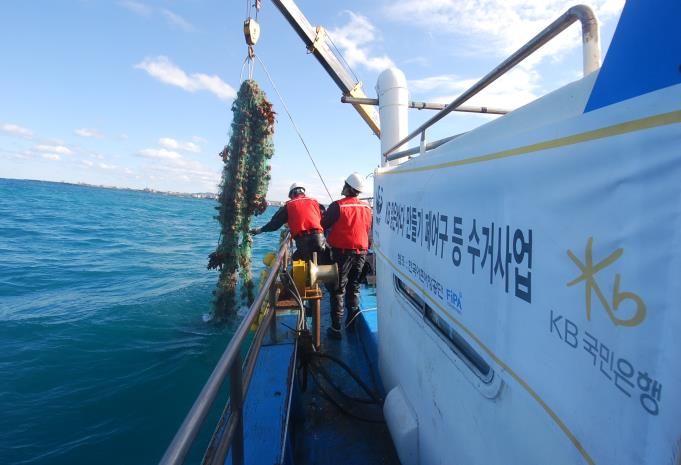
327,377
354,376
293,290
338,405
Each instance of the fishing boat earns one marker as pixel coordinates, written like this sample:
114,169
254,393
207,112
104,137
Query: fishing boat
524,308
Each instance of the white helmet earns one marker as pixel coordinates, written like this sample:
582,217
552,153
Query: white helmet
296,185
356,181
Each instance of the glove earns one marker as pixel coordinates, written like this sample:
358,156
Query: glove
254,231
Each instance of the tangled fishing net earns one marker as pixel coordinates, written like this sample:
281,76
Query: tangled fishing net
245,179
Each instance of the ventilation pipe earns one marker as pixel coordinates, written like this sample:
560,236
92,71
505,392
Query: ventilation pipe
393,103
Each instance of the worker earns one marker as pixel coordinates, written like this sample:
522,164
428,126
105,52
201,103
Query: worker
303,215
349,222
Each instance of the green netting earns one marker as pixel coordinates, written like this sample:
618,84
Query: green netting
243,190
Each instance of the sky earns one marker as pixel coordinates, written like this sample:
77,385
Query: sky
138,93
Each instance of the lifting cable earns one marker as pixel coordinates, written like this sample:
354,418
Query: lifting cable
316,367
295,126
252,33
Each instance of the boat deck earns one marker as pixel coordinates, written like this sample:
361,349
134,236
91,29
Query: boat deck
323,433
317,431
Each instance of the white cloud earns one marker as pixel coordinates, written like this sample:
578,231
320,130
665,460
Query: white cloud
53,149
280,183
444,82
15,130
123,136
354,40
160,153
106,166
176,20
84,132
171,166
518,87
167,72
23,155
142,9
199,140
88,163
138,8
496,25
184,170
514,89
173,144
51,156
215,85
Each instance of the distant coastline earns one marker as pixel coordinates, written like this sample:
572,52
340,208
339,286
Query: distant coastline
192,195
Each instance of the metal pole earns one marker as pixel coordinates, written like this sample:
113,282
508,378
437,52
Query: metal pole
252,356
220,453
589,36
273,310
236,400
292,383
184,438
316,317
414,150
233,434
316,42
428,106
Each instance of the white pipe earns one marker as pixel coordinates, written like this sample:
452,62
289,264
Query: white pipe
591,62
591,44
393,103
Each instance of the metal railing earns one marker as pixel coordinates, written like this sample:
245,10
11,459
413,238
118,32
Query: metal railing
427,105
419,149
230,363
591,62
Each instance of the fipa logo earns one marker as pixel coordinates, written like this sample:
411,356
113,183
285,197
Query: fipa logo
588,276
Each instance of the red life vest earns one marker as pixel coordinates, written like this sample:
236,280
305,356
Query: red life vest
351,230
303,215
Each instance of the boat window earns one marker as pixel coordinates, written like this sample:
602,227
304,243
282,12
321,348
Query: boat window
456,342
465,351
411,296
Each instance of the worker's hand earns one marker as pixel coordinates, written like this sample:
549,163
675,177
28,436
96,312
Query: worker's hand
255,231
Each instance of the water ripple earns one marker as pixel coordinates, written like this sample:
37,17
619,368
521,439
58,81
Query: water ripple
103,340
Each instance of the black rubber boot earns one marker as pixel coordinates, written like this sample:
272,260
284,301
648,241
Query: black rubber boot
334,333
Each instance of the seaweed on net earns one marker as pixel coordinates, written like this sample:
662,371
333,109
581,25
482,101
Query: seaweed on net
243,191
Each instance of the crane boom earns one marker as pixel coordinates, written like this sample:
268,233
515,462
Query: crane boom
316,42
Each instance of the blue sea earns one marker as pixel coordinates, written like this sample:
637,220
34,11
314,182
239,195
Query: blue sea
105,335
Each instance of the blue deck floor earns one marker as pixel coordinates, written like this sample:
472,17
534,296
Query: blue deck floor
324,434
267,402
318,433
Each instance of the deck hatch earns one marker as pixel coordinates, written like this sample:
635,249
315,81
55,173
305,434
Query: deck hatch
471,357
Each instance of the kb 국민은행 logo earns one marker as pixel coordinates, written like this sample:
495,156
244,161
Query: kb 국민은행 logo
588,276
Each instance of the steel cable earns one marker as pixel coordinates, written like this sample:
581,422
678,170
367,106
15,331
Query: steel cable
300,136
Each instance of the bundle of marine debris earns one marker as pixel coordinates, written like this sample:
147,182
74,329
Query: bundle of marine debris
245,179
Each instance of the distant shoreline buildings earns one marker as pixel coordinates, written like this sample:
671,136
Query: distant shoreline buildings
193,195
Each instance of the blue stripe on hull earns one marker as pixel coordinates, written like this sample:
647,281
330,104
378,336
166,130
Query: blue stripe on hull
645,54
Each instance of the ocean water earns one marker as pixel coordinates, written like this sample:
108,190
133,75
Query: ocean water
104,333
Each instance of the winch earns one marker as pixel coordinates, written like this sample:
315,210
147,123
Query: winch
306,276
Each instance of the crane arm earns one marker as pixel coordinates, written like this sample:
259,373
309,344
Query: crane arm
316,42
